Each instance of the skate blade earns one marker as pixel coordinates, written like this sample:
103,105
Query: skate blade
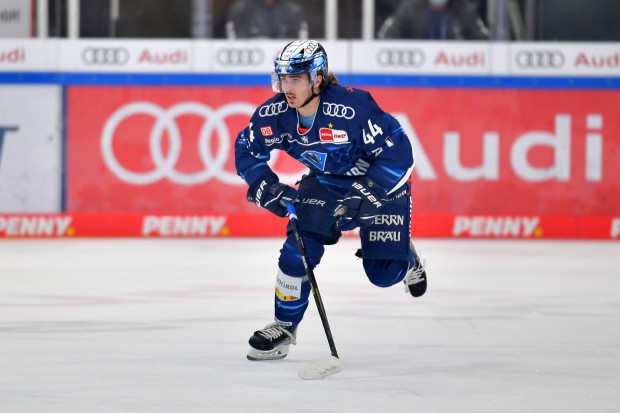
275,354
320,369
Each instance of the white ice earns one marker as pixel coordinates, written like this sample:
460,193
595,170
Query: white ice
130,325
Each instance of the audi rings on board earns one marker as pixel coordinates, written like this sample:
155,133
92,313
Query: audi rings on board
400,57
540,59
240,57
166,142
105,56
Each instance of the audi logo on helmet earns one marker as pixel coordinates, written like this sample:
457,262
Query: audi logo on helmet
311,47
105,56
166,143
401,57
240,57
338,110
539,59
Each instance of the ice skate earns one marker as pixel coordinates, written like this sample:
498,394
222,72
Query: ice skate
272,342
415,280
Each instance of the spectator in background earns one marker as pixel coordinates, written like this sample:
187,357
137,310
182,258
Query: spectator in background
276,19
435,20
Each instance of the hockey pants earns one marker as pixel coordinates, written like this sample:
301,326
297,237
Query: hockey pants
385,246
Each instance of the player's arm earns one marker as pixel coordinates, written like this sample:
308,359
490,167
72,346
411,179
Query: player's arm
264,187
389,148
393,163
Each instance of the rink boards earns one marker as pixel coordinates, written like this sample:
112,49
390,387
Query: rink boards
136,138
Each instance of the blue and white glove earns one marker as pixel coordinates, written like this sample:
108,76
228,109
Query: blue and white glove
360,206
270,194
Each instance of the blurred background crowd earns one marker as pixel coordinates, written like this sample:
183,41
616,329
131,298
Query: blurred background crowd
501,20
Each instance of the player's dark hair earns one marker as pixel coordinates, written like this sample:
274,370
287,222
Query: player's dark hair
330,79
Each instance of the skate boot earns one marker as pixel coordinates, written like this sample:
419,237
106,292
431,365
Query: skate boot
272,342
415,280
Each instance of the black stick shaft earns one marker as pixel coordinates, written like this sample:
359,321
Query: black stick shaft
310,273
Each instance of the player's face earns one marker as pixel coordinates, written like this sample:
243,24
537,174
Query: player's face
296,88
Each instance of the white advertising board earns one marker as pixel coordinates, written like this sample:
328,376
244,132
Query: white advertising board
395,57
127,56
30,149
574,59
432,58
28,55
236,57
257,56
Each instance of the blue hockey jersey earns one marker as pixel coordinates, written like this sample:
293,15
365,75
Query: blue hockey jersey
350,137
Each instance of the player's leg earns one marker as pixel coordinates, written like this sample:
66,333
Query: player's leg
389,256
292,291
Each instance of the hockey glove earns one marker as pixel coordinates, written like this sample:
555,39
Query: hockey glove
271,194
359,207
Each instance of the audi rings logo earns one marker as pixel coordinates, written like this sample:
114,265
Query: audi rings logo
337,110
105,56
540,59
272,109
240,57
401,57
165,155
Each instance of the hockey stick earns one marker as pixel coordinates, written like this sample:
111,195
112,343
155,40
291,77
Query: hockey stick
332,366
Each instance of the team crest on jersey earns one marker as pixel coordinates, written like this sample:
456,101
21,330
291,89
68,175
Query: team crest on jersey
266,131
315,158
333,136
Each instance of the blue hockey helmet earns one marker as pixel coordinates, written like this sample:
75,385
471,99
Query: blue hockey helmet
298,57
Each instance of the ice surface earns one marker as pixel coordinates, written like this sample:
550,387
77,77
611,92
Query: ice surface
130,325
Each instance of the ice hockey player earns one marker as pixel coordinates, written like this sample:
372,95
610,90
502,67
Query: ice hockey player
360,163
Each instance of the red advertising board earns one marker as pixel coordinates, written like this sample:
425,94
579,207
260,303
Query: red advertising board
513,151
496,162
241,225
156,149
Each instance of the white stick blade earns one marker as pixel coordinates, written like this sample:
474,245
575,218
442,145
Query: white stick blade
321,369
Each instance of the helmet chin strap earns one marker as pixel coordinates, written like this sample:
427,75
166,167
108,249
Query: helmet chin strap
310,98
